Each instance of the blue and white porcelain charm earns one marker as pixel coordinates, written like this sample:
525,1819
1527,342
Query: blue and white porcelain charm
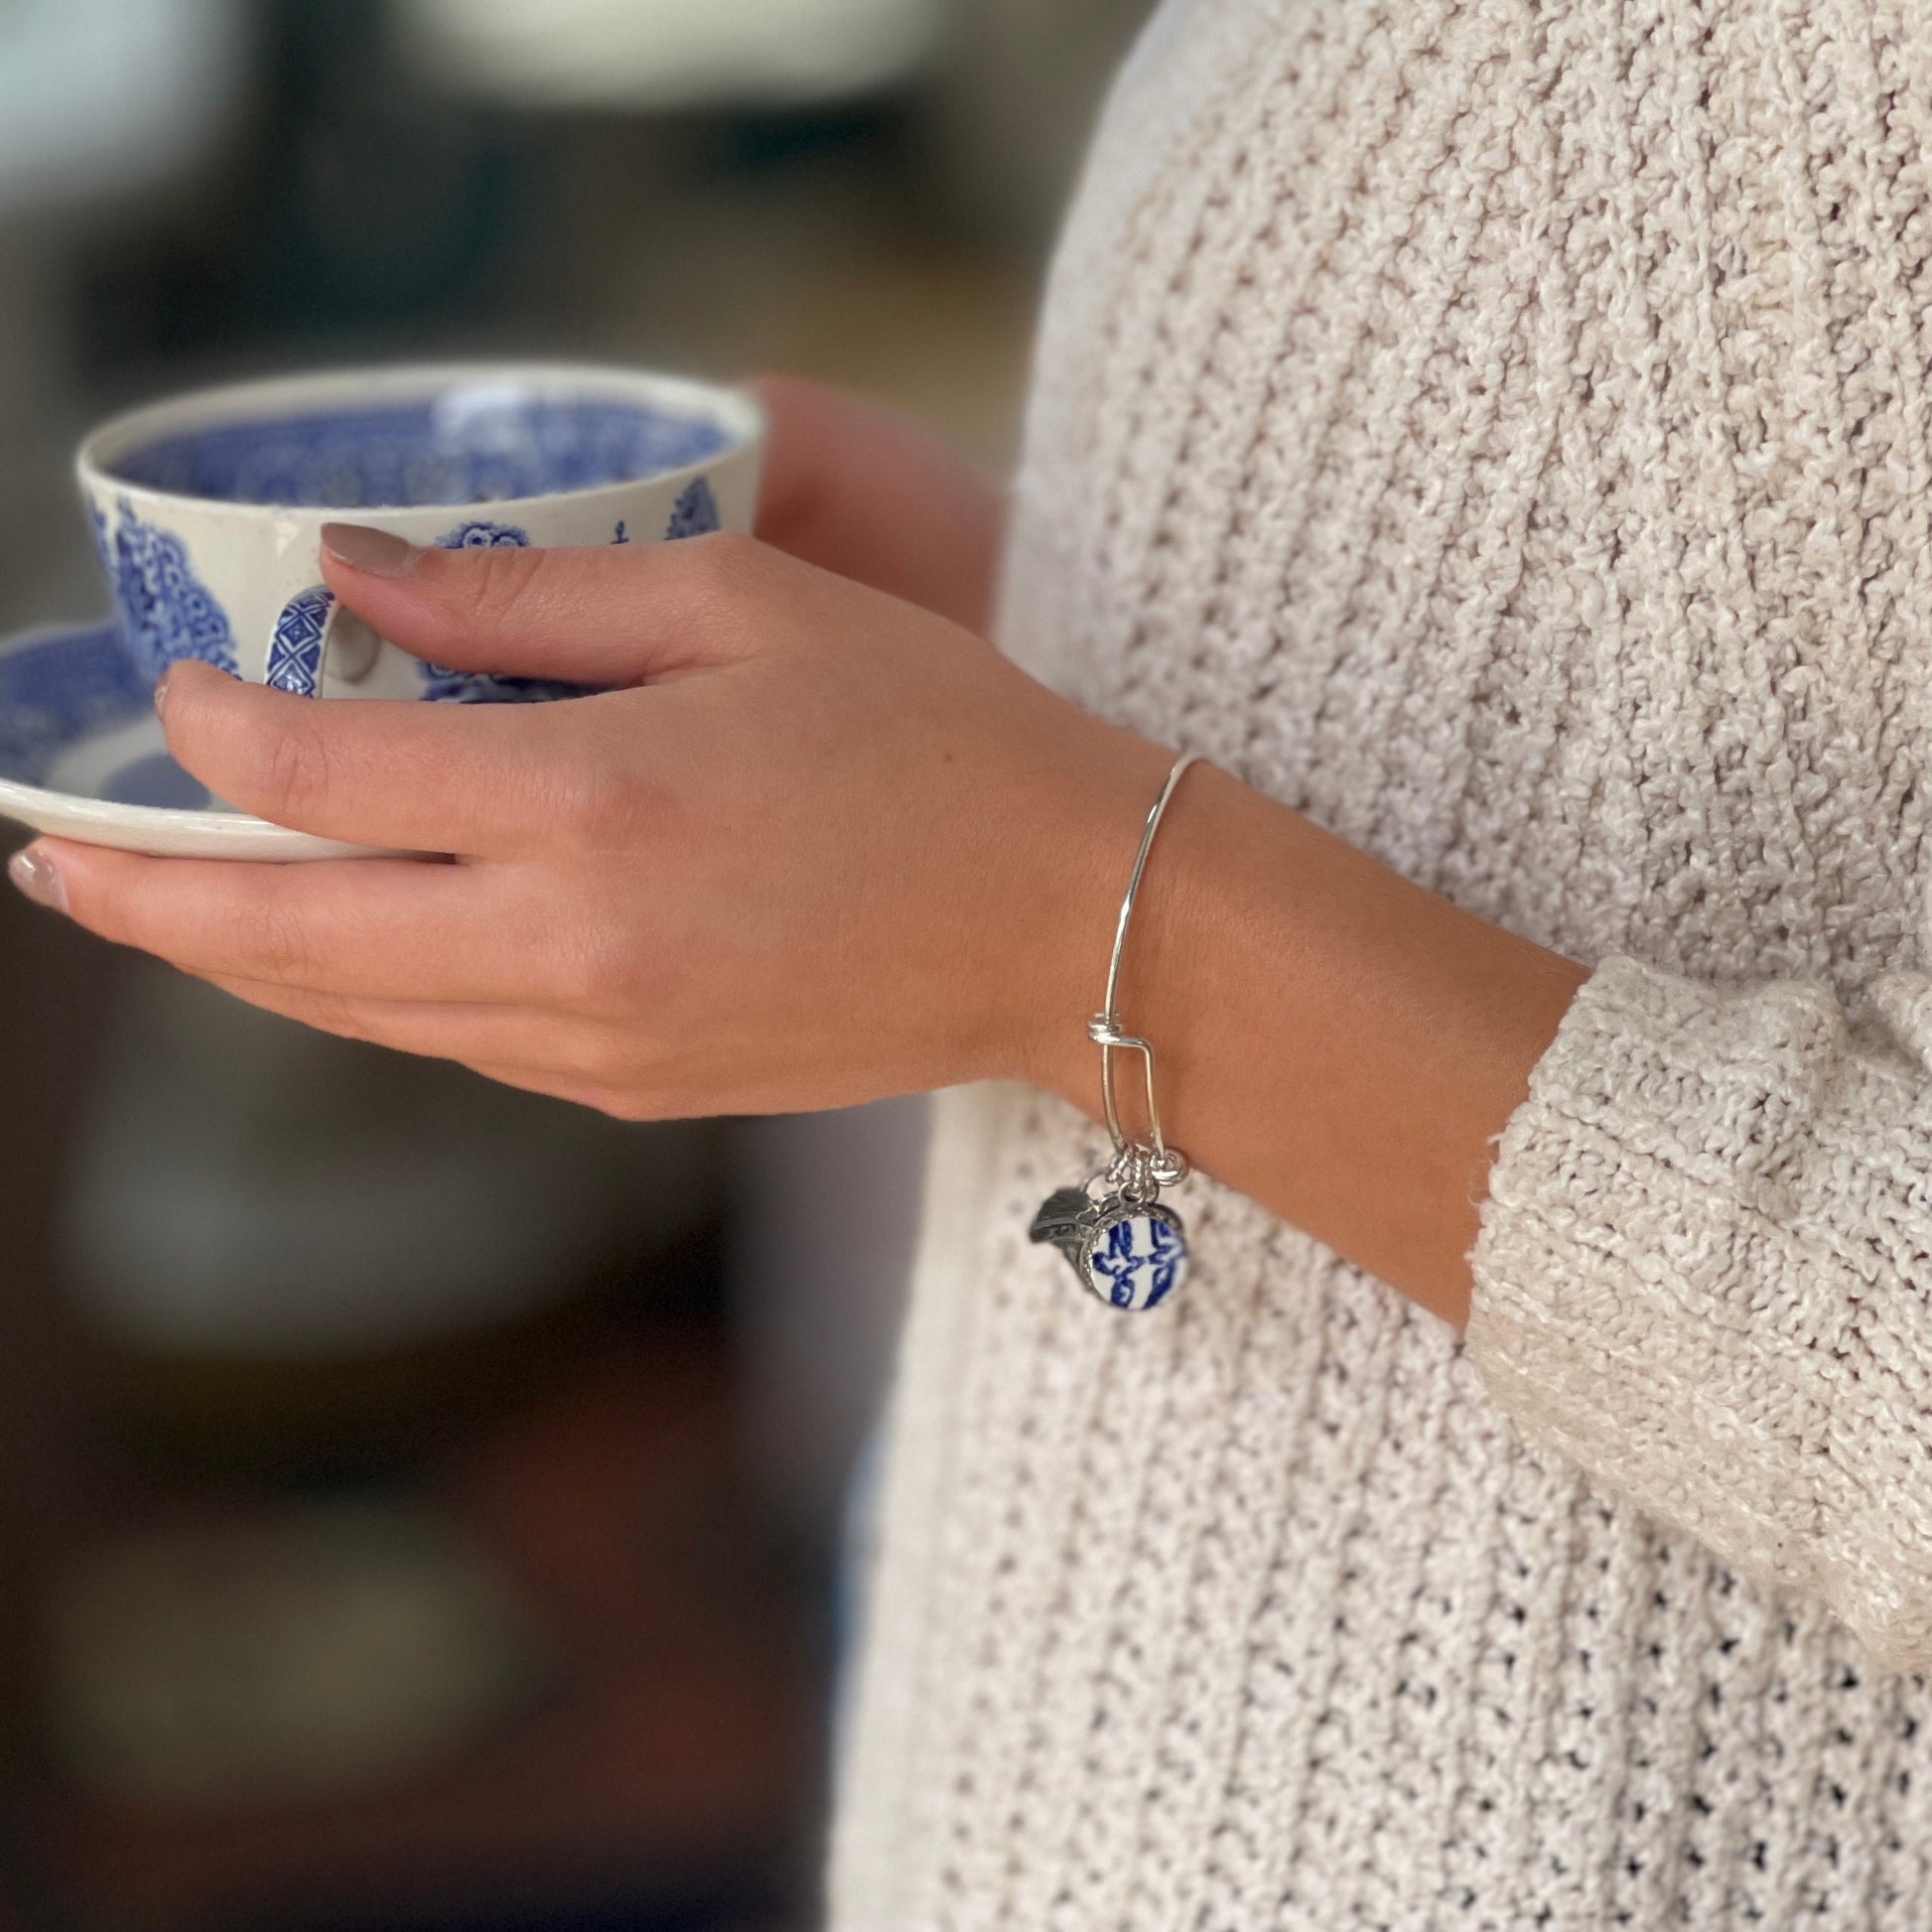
1130,1252
1136,1257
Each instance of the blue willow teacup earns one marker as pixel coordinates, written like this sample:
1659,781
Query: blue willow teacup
209,508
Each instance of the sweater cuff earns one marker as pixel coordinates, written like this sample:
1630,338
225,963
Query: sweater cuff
1701,1275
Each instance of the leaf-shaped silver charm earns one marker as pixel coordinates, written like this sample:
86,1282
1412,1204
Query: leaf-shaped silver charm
1066,1219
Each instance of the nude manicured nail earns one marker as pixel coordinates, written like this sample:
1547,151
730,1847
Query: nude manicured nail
376,553
161,689
39,878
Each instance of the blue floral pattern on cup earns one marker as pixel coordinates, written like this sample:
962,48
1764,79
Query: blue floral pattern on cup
695,513
167,611
480,534
475,445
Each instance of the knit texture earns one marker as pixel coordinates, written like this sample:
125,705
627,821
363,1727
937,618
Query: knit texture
1500,430
1704,1271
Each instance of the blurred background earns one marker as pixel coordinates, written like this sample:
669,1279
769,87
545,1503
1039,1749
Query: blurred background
420,1504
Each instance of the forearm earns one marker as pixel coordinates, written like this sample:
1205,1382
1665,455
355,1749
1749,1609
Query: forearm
1336,1042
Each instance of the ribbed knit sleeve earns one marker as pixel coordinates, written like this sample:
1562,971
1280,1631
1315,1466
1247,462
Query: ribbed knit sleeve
1705,1274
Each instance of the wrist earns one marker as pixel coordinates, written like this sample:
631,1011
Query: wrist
1210,886
1065,941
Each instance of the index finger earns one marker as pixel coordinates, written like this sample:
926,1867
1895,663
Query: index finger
483,781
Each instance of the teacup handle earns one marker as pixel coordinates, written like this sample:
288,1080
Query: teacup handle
299,646
299,639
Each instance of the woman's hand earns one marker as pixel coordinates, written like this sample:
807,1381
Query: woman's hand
827,844
823,845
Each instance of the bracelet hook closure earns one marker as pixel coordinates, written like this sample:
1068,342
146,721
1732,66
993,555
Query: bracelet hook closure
1105,1030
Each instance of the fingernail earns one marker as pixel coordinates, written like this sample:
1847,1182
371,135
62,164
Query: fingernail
376,553
161,690
39,878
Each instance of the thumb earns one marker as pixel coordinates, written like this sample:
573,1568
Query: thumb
607,615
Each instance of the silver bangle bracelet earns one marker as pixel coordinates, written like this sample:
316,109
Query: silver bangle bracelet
1124,1245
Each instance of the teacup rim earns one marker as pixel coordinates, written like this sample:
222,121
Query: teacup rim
735,411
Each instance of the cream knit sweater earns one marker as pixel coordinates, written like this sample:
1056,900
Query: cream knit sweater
1502,429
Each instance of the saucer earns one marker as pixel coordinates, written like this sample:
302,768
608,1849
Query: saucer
82,756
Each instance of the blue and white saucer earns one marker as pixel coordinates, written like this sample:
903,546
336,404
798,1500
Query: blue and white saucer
82,756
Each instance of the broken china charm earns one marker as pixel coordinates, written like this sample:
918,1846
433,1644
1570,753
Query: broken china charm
1131,1252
